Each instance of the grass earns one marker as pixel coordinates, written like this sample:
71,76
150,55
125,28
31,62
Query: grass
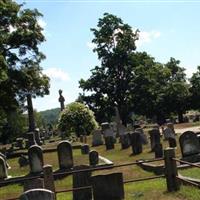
146,190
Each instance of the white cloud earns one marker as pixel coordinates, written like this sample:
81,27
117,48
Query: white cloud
90,45
42,23
57,73
147,37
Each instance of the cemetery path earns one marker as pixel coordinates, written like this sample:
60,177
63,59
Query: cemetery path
192,128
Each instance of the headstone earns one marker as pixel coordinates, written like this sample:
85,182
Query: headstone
97,138
125,141
65,156
154,137
37,194
35,156
142,134
190,146
23,161
121,129
108,187
171,126
31,138
85,149
37,137
109,142
94,157
82,179
172,142
136,143
3,168
168,133
158,151
81,138
33,184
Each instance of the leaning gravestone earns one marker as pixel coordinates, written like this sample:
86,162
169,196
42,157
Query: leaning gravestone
3,168
108,187
65,156
154,137
190,146
37,194
35,156
82,179
93,158
136,143
97,138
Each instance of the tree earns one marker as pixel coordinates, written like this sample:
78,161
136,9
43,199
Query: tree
177,92
110,83
21,76
195,90
78,118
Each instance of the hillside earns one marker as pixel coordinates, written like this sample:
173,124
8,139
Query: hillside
51,115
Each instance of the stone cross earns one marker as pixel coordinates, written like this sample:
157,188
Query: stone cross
61,100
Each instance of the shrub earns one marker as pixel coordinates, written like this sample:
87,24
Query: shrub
78,118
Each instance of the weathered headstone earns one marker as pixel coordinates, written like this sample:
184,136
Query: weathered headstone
136,143
97,138
121,129
94,157
82,179
154,137
3,168
172,142
109,142
108,187
85,149
171,126
35,156
37,194
158,149
65,156
190,146
168,133
125,141
142,134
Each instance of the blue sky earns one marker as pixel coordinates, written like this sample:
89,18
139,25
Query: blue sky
168,29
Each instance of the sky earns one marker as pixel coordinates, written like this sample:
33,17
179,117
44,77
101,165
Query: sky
167,29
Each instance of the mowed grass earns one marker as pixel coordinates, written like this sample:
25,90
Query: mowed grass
146,190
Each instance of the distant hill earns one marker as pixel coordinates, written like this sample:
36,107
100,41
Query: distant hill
50,116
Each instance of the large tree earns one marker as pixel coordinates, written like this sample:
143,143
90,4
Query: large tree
110,83
20,74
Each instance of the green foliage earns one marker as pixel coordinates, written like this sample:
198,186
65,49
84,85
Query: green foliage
110,83
78,118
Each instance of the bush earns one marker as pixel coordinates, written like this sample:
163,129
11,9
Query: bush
78,118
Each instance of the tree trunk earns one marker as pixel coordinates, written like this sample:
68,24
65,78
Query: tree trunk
30,113
180,116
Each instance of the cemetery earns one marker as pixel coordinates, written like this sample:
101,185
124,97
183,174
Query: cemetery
128,128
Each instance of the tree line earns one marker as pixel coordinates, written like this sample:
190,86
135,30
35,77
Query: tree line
133,81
